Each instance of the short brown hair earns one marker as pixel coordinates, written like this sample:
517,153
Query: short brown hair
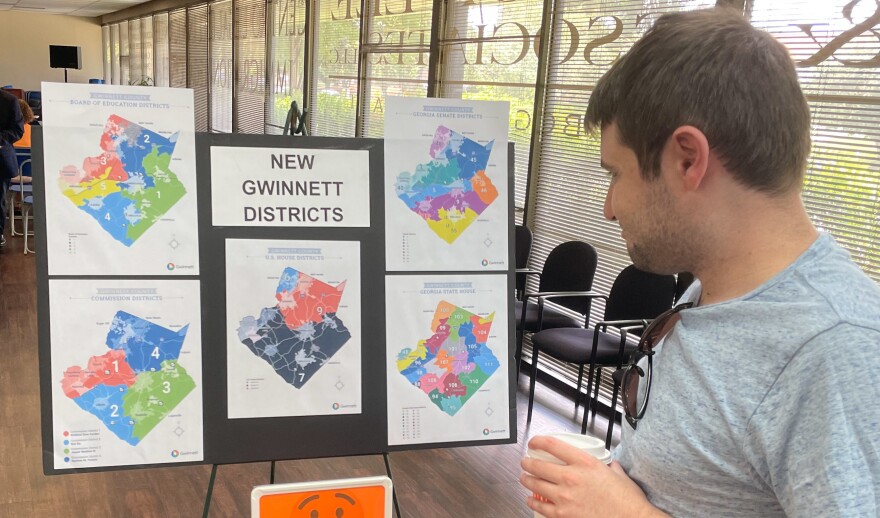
710,69
26,111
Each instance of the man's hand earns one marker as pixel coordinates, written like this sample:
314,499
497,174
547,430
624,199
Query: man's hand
583,487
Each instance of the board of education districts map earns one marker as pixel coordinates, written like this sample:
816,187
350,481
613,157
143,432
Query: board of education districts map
129,185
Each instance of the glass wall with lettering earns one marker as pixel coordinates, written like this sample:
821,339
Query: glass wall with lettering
836,45
287,47
490,51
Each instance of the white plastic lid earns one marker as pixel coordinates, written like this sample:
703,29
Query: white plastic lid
585,443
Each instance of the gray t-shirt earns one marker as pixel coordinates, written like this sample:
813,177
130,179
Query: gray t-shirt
768,404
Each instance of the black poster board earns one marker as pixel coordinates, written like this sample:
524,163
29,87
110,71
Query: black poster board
228,441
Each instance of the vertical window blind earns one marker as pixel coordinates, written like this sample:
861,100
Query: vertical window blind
148,76
250,66
220,86
197,61
107,54
114,54
161,58
124,59
287,39
334,90
136,56
177,37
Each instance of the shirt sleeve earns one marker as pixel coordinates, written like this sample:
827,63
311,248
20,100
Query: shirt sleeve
815,437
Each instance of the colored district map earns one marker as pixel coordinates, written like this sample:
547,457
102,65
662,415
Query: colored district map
451,190
137,383
129,186
454,363
302,332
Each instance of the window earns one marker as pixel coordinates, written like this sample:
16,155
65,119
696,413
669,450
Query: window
490,51
838,55
586,38
395,57
287,42
333,101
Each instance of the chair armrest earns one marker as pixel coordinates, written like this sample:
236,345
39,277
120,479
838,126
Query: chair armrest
619,324
556,294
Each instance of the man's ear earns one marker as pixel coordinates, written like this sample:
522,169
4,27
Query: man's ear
689,153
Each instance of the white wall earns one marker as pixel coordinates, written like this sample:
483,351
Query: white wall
24,48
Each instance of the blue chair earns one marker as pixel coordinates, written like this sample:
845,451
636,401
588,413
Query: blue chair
19,188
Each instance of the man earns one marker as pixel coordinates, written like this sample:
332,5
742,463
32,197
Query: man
11,129
765,398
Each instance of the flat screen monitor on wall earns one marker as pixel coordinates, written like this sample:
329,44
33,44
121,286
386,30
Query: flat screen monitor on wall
62,56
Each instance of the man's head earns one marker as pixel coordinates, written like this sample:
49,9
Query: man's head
698,80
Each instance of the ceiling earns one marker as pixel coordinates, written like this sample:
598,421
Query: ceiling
89,8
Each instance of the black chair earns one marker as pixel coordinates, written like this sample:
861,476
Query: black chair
636,297
522,249
566,277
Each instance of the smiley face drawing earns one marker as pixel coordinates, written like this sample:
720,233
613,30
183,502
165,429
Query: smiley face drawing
327,505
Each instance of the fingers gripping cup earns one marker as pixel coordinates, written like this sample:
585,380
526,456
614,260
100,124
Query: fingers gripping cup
585,443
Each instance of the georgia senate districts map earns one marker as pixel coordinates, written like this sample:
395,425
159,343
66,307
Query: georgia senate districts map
446,185
120,180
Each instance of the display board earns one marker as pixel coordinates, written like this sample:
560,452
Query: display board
293,340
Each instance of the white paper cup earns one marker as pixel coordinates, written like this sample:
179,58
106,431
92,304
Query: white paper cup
585,443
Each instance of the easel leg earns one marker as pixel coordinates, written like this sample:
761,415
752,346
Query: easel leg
210,490
393,489
272,474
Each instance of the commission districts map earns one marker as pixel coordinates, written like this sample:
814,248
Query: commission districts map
302,332
129,186
451,190
137,383
454,363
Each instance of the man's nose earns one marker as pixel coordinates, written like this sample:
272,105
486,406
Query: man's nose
608,212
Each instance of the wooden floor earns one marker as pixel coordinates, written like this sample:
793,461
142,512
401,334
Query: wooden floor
472,482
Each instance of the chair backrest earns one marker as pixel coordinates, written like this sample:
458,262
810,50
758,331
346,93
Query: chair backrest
522,250
638,294
570,266
23,155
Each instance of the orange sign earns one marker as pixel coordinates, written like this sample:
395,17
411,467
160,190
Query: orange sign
350,498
